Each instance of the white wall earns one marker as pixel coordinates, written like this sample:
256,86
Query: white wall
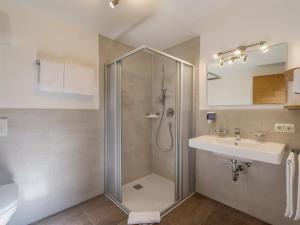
243,22
30,33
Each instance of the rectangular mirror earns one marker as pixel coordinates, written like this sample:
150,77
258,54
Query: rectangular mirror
258,80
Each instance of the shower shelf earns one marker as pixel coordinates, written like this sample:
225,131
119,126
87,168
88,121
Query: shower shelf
152,115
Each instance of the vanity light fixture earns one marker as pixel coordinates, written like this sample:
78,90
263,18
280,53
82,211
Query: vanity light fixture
239,53
263,46
113,3
265,50
244,58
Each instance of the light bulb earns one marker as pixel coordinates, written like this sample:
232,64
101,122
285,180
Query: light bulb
230,61
238,52
265,50
244,58
216,56
263,46
111,5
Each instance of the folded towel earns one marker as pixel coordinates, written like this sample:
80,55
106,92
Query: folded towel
296,87
290,176
297,217
297,75
79,79
51,76
143,217
296,82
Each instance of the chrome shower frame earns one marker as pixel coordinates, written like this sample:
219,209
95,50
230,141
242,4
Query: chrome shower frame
115,193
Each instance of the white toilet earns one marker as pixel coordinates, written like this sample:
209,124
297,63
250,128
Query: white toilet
9,194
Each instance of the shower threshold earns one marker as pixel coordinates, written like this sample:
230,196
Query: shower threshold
154,193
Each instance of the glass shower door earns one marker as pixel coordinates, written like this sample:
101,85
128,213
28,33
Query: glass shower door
113,132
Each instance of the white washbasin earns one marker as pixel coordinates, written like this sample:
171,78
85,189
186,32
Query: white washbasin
246,149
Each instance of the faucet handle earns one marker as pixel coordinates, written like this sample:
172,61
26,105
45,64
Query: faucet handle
237,130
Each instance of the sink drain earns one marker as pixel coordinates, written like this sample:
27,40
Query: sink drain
138,186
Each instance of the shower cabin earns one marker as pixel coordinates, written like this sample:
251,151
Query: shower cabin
148,121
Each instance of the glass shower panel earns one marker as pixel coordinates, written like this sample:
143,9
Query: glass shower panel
112,154
136,129
186,118
148,157
148,122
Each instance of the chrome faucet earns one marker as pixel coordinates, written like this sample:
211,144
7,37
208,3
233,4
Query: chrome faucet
237,134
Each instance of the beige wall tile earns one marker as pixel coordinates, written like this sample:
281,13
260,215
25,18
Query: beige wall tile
260,190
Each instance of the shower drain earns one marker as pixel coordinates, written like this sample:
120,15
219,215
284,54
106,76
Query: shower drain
138,186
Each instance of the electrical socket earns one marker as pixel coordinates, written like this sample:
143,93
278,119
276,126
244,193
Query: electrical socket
284,128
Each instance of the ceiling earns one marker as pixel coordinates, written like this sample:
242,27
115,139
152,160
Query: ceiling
157,23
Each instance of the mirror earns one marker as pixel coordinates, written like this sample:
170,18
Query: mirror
258,80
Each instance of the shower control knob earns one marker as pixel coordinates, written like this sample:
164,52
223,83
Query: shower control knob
170,112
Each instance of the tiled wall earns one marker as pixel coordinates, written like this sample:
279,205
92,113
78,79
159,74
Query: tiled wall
164,161
136,129
56,157
260,190
188,51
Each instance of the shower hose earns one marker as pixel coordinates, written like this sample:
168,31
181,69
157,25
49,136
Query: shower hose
160,146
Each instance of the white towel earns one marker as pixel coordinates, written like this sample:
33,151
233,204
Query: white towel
143,217
51,76
290,176
297,75
79,79
296,82
296,87
297,217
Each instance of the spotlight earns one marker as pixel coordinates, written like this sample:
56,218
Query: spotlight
265,50
237,52
244,58
113,3
221,62
216,56
263,46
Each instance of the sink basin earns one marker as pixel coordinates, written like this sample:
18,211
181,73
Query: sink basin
246,149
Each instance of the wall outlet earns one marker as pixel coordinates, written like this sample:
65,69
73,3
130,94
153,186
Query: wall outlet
284,128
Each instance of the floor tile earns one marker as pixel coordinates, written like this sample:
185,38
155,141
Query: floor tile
72,216
101,211
193,211
224,215
197,210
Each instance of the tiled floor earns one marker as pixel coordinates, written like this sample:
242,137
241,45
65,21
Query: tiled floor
156,194
197,210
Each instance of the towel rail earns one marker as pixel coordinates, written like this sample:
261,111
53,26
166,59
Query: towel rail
296,151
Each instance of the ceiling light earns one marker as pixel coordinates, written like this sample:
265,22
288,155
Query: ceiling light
216,56
244,58
221,62
265,50
237,52
230,61
263,46
113,3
